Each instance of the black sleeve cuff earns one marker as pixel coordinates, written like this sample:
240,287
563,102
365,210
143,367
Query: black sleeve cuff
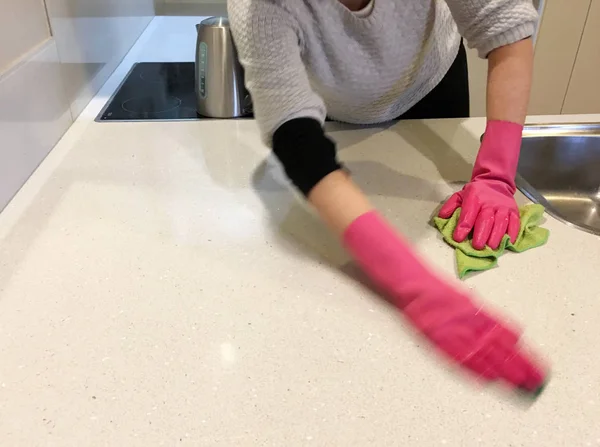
305,152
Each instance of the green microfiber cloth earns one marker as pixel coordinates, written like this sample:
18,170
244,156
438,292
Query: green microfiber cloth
470,260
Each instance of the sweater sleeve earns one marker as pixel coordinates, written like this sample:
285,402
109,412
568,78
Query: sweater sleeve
490,24
268,44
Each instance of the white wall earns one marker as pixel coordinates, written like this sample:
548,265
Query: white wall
33,110
92,37
33,116
48,75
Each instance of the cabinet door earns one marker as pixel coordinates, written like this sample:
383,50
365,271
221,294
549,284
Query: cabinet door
583,95
556,43
555,52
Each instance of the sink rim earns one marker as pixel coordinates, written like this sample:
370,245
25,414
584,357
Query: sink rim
555,130
532,194
558,129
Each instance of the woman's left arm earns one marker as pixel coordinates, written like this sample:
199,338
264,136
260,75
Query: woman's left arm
501,31
510,71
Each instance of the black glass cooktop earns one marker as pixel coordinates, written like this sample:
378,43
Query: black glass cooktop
157,91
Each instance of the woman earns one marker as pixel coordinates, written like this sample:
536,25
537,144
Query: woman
371,61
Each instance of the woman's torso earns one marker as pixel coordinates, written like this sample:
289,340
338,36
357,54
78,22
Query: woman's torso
372,69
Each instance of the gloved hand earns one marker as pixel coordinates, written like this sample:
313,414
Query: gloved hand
446,316
487,202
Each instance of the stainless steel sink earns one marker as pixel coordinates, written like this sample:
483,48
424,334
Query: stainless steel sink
559,168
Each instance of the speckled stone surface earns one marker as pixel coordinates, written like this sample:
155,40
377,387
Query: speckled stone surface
161,285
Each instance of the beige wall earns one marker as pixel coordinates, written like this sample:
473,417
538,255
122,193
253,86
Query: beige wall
23,26
583,94
191,7
477,82
566,63
478,67
198,2
556,49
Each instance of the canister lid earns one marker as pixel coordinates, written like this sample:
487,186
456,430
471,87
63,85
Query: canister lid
217,22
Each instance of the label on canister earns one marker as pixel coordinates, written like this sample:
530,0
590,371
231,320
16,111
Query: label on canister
202,69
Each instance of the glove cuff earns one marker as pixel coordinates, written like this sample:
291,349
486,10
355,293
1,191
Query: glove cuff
498,155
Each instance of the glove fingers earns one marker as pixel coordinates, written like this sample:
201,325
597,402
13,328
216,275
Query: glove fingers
499,230
536,375
519,368
466,220
520,371
450,206
483,228
514,226
500,358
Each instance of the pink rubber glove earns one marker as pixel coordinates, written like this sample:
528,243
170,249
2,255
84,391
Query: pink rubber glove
445,315
487,202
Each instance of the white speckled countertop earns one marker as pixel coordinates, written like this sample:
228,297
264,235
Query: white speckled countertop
160,285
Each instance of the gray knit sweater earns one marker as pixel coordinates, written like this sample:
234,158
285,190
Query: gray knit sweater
312,58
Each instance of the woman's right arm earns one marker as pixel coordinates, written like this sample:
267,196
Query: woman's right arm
289,113
290,116
453,323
